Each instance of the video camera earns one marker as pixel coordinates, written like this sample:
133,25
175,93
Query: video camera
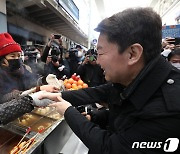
57,36
30,52
55,50
55,58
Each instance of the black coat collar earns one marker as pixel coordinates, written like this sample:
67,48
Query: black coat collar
147,82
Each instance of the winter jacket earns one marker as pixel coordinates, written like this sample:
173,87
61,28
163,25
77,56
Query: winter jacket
91,74
10,82
14,108
141,117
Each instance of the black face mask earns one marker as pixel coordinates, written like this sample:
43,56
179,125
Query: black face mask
14,64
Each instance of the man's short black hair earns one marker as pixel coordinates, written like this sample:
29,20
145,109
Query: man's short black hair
134,25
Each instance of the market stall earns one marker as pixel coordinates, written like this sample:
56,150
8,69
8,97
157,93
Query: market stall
48,133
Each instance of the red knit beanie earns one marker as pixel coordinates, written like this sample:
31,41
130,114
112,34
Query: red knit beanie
8,45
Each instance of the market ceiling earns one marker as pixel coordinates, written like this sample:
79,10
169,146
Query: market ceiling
49,14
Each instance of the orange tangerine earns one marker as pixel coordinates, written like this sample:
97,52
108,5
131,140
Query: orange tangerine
80,82
75,82
74,85
65,81
79,87
70,81
68,85
85,85
75,88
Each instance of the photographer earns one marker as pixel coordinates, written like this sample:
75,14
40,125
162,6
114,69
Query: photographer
89,71
32,59
58,65
73,60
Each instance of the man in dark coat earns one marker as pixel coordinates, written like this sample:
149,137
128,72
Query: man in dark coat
143,98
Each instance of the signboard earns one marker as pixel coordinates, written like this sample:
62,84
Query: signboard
171,31
94,41
70,7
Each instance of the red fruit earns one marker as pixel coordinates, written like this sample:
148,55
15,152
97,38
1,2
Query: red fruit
77,78
73,76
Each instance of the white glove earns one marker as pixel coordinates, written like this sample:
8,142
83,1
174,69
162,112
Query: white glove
37,101
61,68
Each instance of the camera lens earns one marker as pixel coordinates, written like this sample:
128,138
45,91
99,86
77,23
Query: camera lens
54,58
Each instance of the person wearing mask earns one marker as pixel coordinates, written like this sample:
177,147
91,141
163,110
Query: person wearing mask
57,65
13,74
53,42
142,96
174,58
80,54
75,58
33,60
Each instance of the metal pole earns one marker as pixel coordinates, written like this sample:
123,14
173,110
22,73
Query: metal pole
90,24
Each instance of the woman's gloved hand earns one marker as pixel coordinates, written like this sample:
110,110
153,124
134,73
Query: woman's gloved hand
44,98
39,100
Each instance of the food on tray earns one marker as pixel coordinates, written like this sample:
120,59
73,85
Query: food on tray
43,111
14,150
27,119
23,146
55,115
44,123
40,127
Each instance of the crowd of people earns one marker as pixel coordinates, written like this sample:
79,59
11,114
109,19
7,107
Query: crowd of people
127,74
27,72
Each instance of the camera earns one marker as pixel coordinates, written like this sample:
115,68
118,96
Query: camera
93,58
82,109
92,54
54,58
57,36
31,52
177,41
55,50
